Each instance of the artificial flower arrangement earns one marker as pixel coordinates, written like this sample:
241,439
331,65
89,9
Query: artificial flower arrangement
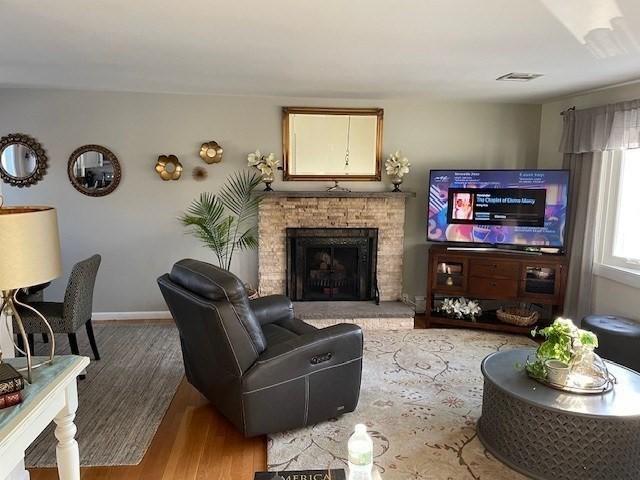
397,166
267,164
461,308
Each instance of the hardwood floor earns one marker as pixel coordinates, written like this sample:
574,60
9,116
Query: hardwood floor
193,442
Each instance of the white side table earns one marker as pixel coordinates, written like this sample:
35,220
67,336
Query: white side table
53,396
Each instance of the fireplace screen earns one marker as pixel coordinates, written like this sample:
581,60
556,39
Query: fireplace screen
331,263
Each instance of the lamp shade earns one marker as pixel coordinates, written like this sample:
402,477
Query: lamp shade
29,246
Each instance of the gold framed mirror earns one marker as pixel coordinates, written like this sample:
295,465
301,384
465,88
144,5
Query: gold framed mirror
332,143
94,170
23,161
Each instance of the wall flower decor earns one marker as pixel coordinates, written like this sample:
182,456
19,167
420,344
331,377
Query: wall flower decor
267,165
169,167
397,166
211,152
199,174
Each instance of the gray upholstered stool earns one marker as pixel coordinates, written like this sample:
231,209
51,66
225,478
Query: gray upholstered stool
618,339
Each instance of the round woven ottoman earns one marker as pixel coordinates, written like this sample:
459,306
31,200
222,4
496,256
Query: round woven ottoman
547,434
618,339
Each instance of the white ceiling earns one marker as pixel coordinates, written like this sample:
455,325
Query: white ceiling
441,49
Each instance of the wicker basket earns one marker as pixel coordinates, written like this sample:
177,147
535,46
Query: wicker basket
517,316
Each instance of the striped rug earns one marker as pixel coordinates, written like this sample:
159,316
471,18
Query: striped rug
124,396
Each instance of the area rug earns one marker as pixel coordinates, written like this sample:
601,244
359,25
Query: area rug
420,399
124,396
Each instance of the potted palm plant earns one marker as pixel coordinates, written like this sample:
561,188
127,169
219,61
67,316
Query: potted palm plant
226,222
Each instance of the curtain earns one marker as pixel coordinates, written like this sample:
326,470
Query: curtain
584,182
585,135
598,129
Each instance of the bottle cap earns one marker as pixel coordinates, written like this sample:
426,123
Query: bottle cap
361,428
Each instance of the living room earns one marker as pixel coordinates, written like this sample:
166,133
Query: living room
180,100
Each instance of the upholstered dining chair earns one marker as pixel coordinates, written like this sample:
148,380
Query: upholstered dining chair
71,314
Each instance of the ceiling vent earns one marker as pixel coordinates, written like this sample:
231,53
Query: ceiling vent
519,77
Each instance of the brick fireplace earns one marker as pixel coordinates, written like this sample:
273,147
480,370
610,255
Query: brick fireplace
382,211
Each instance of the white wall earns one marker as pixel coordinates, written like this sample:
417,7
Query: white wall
609,296
135,228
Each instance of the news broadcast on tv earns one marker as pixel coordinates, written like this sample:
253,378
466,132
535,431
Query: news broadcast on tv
525,208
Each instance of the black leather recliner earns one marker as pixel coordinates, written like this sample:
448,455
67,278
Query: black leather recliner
264,370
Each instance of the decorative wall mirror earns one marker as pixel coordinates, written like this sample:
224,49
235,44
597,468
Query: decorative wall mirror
94,170
23,161
332,143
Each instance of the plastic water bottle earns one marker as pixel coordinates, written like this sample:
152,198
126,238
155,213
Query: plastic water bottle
360,448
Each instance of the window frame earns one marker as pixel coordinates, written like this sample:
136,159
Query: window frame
606,263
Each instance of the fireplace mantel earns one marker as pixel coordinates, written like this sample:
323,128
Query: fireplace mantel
337,194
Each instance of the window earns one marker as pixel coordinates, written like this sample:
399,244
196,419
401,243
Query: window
626,234
619,245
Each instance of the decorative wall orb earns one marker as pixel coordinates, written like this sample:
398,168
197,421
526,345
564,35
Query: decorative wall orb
199,174
169,167
211,152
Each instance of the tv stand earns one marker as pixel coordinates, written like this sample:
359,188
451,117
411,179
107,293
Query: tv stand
497,278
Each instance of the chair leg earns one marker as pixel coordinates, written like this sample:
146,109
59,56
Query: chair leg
32,342
45,338
92,340
73,343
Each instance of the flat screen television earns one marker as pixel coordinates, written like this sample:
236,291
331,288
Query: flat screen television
524,209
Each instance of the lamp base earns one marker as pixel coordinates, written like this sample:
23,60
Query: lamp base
9,302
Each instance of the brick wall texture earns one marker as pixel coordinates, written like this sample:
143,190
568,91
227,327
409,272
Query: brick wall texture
277,213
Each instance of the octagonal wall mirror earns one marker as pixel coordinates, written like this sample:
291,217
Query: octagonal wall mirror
332,143
23,161
94,170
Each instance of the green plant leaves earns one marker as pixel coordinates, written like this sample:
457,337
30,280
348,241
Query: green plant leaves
563,340
226,222
588,339
537,369
236,195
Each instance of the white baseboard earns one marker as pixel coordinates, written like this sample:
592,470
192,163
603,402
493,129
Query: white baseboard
160,315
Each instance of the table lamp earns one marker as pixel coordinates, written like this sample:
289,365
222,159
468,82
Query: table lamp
29,255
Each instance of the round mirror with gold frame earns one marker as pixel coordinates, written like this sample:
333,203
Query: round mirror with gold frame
94,170
23,161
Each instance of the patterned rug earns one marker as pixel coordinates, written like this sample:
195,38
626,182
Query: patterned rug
124,396
421,397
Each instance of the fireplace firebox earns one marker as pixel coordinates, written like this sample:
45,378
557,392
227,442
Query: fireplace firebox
332,264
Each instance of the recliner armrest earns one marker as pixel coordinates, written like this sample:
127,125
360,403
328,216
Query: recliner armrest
272,309
304,355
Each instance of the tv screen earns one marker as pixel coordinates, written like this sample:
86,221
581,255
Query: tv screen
525,208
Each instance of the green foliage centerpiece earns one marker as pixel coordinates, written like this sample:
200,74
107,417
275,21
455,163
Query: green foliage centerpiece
564,343
226,222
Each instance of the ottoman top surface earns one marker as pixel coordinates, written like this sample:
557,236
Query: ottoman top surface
503,369
612,324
